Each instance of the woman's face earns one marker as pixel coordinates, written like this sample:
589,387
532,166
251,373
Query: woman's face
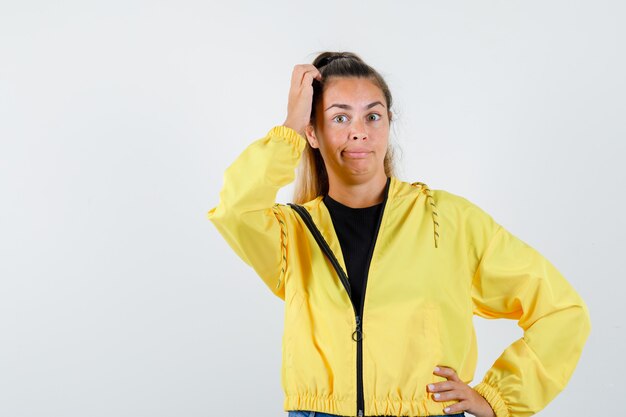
351,129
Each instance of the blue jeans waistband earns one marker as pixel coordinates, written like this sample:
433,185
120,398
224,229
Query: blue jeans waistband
304,413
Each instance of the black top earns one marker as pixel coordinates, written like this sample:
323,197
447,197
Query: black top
355,228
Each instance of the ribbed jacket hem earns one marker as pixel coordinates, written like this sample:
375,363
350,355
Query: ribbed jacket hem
383,407
329,405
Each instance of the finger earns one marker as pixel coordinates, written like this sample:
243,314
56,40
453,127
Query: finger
456,407
298,72
308,76
446,372
301,69
454,395
441,386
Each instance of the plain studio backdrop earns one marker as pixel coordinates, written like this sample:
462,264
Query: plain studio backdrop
117,120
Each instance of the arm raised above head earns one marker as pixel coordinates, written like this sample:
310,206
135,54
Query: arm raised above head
247,216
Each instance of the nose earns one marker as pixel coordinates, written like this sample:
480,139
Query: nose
358,131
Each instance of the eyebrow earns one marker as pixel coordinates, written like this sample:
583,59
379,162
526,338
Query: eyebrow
347,107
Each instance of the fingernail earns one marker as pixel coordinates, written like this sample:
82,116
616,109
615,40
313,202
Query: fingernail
437,395
431,387
447,409
436,369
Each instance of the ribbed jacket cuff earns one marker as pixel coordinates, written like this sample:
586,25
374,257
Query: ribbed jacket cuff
288,134
494,399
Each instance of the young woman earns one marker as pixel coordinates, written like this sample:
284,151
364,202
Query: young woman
381,277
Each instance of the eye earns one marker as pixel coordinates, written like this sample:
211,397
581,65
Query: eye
374,116
340,116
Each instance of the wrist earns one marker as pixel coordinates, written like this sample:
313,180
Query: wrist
293,126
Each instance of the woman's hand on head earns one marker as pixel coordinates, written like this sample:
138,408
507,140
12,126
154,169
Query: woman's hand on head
456,390
301,97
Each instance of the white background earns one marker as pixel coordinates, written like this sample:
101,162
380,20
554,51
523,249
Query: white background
118,118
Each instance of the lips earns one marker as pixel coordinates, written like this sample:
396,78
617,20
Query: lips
356,153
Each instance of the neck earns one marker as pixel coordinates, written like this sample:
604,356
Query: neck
358,195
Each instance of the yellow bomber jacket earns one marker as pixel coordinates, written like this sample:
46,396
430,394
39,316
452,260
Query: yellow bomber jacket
438,260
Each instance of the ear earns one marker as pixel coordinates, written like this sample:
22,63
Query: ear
311,137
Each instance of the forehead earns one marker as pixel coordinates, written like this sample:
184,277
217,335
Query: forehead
346,89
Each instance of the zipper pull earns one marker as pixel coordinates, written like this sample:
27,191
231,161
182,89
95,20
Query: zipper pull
360,413
357,334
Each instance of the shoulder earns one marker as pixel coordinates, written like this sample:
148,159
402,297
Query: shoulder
441,196
448,204
453,201
288,210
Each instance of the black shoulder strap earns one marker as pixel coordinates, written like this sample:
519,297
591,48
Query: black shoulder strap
306,217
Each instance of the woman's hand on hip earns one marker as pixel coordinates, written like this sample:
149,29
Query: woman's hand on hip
454,389
301,97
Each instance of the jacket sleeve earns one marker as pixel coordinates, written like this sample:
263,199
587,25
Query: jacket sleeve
247,216
515,281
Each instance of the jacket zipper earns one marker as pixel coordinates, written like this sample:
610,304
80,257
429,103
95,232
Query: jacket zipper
359,317
360,403
357,334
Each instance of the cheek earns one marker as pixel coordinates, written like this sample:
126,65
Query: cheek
331,140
